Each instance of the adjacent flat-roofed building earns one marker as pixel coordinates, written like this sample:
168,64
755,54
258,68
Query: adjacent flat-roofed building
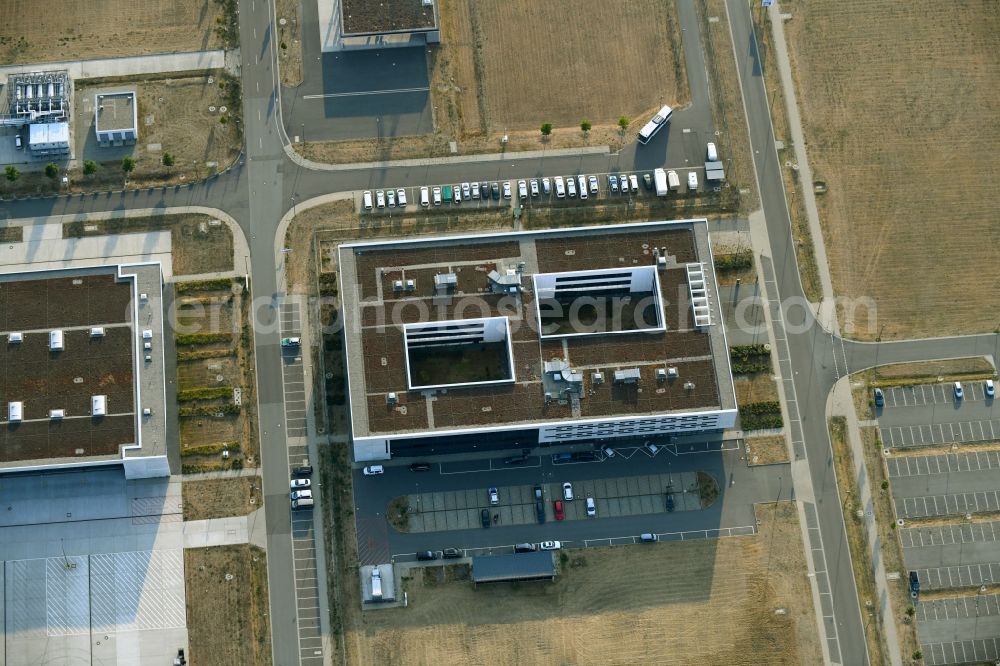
81,402
533,338
116,118
347,24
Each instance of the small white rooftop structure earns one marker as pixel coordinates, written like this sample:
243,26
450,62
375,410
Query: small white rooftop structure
116,118
15,411
98,405
97,332
48,138
56,340
15,338
56,414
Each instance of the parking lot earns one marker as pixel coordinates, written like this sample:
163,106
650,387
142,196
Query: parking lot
957,556
445,194
614,497
930,414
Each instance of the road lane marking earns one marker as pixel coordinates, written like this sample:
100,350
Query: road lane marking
362,93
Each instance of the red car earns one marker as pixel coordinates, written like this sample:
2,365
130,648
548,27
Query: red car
557,506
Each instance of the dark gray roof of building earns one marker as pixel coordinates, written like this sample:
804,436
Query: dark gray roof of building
519,566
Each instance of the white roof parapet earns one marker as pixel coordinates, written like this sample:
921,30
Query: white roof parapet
698,290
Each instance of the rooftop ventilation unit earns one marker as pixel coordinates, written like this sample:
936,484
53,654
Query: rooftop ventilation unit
15,411
56,414
146,411
661,262
688,386
661,374
627,376
143,298
672,373
411,285
56,342
391,399
98,405
445,281
97,332
698,289
397,285
15,338
597,378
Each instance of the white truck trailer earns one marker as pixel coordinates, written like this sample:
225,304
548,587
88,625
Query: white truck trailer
660,180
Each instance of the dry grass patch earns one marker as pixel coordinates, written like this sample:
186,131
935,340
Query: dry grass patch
73,30
767,450
903,141
755,388
220,498
902,374
227,620
289,16
585,618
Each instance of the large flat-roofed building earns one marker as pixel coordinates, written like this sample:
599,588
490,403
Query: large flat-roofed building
347,24
116,118
81,358
516,340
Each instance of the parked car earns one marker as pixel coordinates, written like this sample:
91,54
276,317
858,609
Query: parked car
652,448
390,197
711,154
380,198
623,182
506,189
296,484
557,509
475,191
484,187
303,470
515,460
613,182
990,389
550,545
451,553
560,186
466,191
670,502
571,186
546,186
425,199
420,467
568,491
540,511
484,517
591,507
692,181
494,495
914,585
401,197
18,142
649,537
582,180
495,190
457,190
959,393
291,342
592,181
525,547
538,492
425,555
879,397
366,199
373,470
437,196
647,180
300,494
633,182
534,187
522,189
608,452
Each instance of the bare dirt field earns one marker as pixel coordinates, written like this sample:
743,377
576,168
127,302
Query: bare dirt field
219,498
586,616
227,619
498,70
71,29
767,450
900,119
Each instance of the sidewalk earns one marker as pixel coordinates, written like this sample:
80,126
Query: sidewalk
131,66
841,404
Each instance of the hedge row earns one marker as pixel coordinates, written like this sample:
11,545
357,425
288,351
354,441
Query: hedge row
761,415
193,339
734,262
215,284
211,449
204,393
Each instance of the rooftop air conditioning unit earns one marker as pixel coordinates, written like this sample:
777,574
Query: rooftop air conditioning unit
15,338
56,342
397,285
56,414
597,378
391,399
97,332
411,285
672,373
428,3
661,374
688,386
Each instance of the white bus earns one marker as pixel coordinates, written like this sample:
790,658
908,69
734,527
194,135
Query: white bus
661,118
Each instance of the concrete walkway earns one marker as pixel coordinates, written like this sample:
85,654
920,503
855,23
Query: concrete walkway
827,312
147,64
225,474
229,531
840,403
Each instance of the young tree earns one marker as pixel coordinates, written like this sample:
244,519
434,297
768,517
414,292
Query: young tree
128,165
585,126
546,129
12,173
52,170
89,167
624,122
168,159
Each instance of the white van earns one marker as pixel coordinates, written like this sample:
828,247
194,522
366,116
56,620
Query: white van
673,180
571,186
366,199
583,186
302,504
301,494
712,155
376,583
692,181
425,197
560,187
